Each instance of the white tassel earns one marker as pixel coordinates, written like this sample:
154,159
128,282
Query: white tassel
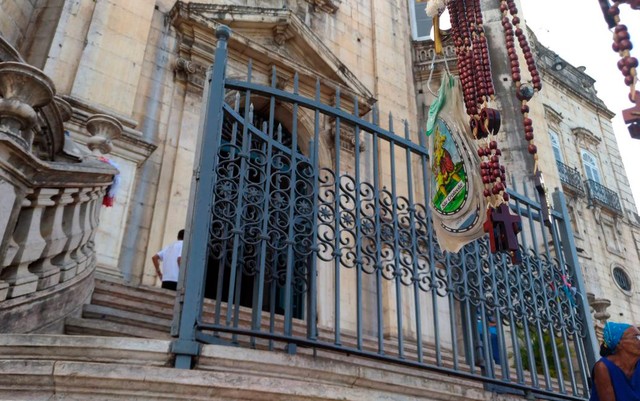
435,7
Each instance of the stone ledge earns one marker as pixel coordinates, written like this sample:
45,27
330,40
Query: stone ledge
98,368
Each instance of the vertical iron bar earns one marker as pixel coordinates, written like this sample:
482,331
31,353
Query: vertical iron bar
396,244
512,321
376,191
485,334
414,251
264,236
543,283
337,215
525,321
288,290
563,331
431,244
358,227
554,346
245,171
237,231
312,296
470,328
452,312
223,257
571,255
499,327
196,249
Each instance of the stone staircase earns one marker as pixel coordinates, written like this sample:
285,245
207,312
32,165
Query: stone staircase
118,349
119,310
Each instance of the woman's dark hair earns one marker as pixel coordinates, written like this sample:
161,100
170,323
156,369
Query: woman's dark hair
181,235
604,350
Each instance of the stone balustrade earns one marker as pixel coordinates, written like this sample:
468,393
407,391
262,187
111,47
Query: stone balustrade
51,193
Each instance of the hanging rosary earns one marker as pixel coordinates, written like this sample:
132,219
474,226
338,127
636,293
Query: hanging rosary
627,65
475,75
524,92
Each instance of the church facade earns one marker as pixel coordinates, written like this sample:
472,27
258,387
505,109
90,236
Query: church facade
144,63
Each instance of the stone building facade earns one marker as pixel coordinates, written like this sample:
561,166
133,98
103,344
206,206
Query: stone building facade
144,62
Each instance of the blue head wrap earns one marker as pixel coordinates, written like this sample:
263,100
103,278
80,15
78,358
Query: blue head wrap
613,333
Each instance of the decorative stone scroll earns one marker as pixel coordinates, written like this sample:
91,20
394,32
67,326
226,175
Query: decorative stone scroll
191,72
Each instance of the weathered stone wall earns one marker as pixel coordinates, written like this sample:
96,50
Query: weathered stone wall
14,20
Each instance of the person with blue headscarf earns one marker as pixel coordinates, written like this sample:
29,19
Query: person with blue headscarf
616,376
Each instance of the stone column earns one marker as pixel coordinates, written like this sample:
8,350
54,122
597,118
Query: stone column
103,129
22,88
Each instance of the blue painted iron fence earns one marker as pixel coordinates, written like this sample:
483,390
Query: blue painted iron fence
309,227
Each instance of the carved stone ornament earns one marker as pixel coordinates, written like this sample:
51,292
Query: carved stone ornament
600,306
282,33
347,138
103,129
190,71
23,88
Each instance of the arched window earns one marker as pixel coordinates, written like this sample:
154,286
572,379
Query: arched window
555,144
591,169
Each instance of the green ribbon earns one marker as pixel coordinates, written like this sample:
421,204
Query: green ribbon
438,103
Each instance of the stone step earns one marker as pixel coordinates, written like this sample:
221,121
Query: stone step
101,327
157,303
116,315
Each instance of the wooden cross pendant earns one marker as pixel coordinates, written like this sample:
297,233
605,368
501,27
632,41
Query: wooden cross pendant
632,118
544,201
503,228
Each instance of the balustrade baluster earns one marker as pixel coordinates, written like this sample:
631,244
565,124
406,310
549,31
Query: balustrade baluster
30,244
83,212
50,228
71,227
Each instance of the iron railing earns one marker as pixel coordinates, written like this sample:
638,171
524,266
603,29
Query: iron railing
571,177
603,196
299,242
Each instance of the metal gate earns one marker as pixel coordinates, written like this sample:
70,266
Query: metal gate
287,249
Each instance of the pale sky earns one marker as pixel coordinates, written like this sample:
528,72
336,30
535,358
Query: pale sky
576,30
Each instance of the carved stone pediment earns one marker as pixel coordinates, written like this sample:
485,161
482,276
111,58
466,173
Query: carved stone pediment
586,137
270,37
554,117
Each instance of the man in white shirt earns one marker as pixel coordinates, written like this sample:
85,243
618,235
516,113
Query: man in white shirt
170,258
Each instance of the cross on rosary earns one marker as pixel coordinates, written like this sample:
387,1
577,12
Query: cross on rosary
503,228
632,118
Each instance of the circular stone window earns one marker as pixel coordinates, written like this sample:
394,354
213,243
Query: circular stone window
622,279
